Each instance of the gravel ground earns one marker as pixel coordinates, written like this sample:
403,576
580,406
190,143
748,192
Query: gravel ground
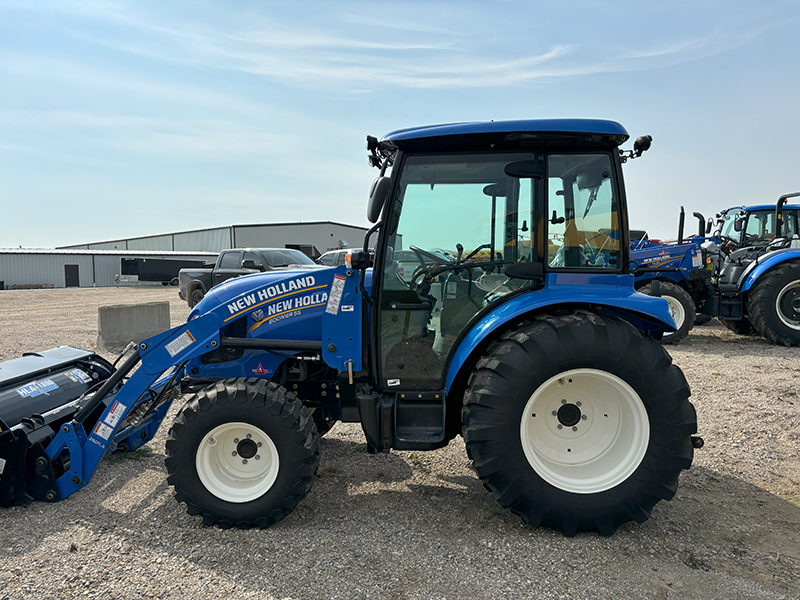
421,525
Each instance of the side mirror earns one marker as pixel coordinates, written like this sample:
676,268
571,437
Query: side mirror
738,222
642,144
378,195
250,264
526,270
495,190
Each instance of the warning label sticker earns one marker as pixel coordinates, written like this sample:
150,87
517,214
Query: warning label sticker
103,430
337,289
2,465
180,343
117,410
78,376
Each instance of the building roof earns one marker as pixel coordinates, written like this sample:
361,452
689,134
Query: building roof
155,235
79,251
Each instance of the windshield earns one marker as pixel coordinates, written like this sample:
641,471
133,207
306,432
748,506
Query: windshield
286,257
727,229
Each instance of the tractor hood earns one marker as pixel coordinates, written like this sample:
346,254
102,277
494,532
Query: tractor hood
232,288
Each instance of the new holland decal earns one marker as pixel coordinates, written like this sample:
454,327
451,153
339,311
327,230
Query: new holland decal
280,301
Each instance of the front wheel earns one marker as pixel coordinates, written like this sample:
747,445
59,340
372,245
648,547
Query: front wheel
681,308
578,423
242,452
774,305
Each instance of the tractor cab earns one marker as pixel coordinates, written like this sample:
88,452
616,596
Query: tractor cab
504,220
750,226
476,225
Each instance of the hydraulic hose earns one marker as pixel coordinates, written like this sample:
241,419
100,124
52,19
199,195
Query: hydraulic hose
109,384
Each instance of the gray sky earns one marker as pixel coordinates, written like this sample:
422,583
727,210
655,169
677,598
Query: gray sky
122,119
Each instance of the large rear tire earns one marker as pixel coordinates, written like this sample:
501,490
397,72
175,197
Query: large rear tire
242,452
578,423
681,307
774,305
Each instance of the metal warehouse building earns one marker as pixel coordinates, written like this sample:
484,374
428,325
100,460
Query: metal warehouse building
133,261
26,267
313,238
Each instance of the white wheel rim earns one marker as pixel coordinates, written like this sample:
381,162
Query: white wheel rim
787,305
676,312
237,462
599,451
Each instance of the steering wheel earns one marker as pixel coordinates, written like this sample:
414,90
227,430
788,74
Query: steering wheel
727,244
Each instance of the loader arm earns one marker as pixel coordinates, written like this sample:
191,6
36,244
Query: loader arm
54,463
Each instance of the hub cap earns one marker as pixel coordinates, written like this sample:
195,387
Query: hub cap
676,311
788,305
237,462
585,431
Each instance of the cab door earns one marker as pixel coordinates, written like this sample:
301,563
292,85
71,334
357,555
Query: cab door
465,221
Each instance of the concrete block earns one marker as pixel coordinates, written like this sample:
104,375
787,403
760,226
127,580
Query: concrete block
119,324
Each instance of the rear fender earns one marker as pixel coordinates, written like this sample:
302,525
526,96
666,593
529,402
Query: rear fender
613,293
761,266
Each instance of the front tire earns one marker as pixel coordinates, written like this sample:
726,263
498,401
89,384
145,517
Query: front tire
681,307
624,416
242,452
774,305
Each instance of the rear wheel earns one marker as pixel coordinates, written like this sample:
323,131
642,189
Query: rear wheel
578,423
242,452
195,297
774,305
681,307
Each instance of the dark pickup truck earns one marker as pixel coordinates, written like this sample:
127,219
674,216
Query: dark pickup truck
195,283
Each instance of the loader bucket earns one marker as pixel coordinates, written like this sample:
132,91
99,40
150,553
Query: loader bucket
38,393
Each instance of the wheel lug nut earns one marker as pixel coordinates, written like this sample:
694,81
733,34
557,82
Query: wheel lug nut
577,404
244,461
574,429
249,436
258,444
233,453
583,417
258,457
554,413
560,426
563,402
235,440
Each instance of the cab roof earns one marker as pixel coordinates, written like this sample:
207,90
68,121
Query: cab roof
506,134
757,207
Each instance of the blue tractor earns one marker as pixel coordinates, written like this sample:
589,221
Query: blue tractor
758,283
518,329
680,272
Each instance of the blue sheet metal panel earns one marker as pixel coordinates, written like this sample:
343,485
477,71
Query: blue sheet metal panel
576,126
764,264
615,291
285,305
342,322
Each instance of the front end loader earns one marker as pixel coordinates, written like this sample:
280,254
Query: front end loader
519,329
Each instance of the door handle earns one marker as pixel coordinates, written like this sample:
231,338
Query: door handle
410,305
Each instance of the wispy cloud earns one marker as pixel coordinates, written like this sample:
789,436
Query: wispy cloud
371,51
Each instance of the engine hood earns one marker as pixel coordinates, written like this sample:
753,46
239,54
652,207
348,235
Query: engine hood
232,288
